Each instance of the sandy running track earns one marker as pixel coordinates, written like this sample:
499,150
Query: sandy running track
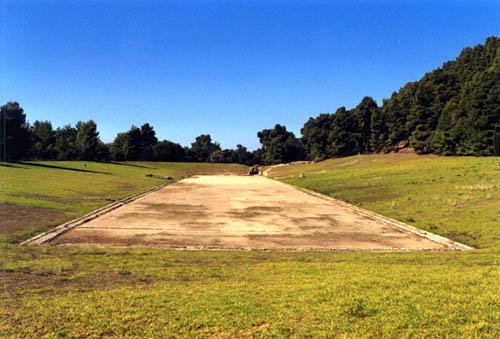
230,212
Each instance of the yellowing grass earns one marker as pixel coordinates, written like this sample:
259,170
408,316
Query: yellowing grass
92,292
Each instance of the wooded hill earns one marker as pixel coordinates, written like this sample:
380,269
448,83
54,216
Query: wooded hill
453,110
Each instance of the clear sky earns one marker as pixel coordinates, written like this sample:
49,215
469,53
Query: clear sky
228,68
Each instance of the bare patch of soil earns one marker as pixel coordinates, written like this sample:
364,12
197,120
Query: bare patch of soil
18,283
36,196
18,218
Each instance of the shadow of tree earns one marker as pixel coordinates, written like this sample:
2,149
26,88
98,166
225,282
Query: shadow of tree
5,164
60,167
127,164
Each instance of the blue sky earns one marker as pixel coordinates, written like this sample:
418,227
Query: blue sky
228,68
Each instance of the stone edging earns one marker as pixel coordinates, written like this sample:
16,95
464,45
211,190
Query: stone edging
450,244
57,231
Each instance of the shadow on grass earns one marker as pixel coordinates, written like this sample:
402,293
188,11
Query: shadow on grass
126,164
5,164
60,167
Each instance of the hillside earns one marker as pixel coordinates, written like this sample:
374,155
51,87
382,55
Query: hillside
453,109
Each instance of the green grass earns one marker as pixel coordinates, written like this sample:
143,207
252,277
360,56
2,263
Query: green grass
93,292
36,196
457,197
142,292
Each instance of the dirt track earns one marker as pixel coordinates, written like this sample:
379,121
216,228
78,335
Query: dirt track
241,212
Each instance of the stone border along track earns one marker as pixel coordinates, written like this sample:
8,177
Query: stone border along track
57,231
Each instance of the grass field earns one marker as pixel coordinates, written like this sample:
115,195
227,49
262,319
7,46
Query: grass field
457,197
94,292
36,196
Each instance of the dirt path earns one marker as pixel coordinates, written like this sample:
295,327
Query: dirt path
242,212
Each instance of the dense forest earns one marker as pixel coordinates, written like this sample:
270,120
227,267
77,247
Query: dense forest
453,110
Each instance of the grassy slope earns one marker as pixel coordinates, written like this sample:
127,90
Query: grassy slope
84,291
458,197
37,196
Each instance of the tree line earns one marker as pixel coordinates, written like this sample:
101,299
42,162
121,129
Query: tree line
453,110
40,141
